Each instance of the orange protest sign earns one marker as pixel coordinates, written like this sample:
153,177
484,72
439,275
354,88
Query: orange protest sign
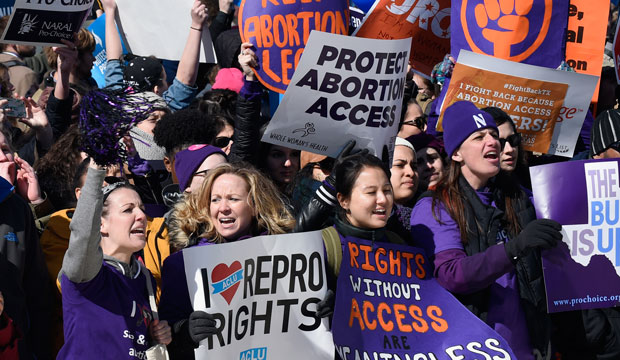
426,22
533,105
585,38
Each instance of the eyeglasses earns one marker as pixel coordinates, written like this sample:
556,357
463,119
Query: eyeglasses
514,140
418,122
221,141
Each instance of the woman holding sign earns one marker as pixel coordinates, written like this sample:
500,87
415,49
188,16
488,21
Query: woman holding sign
484,235
365,198
233,203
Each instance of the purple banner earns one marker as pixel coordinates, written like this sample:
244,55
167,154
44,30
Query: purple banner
389,307
531,32
582,272
279,31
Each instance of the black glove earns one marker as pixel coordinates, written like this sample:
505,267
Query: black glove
344,153
325,307
201,325
538,234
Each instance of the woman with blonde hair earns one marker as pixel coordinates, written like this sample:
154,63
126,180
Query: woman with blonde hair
235,202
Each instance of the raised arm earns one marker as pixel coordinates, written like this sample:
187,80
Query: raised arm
114,50
188,66
84,258
113,47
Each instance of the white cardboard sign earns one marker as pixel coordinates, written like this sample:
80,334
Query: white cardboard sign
343,88
160,28
263,292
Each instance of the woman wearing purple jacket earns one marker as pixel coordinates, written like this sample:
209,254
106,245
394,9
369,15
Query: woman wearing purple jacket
483,235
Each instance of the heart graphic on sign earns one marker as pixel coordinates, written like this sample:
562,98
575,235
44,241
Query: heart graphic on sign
223,271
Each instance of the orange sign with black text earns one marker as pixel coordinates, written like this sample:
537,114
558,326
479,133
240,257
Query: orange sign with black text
585,38
426,22
533,105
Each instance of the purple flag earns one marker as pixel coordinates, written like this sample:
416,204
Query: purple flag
389,307
527,31
582,272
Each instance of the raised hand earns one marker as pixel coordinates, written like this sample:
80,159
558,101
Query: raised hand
35,116
248,61
509,16
67,56
27,182
199,14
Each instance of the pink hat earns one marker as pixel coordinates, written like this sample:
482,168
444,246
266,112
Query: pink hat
229,78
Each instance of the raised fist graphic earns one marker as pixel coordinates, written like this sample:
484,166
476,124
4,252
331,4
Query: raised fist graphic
509,17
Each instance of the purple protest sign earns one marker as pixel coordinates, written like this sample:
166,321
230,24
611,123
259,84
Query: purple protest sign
389,307
525,31
582,272
279,31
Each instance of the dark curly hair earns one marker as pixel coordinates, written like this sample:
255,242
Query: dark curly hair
57,168
183,128
219,102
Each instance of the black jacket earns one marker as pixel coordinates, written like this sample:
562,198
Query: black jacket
483,224
246,138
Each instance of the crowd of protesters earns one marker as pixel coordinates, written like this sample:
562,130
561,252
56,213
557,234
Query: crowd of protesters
91,225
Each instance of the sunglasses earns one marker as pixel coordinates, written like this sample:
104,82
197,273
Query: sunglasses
418,122
221,141
514,140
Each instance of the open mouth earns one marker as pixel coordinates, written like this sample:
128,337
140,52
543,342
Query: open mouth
491,155
138,231
227,221
380,212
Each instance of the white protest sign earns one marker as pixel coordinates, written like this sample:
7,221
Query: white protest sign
263,292
340,91
45,22
576,102
160,28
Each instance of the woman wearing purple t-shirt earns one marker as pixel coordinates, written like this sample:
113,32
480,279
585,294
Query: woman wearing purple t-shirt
484,236
105,296
233,203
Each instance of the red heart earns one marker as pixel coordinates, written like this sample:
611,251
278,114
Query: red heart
221,272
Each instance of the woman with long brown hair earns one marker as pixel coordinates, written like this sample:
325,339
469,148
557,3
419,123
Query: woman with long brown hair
235,202
483,235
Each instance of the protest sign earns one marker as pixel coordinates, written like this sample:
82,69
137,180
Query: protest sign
150,33
356,16
341,91
97,28
6,7
46,22
538,87
279,31
530,32
585,38
389,307
427,22
532,104
583,271
263,292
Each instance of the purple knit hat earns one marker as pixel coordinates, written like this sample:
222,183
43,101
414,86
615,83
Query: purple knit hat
187,161
462,119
